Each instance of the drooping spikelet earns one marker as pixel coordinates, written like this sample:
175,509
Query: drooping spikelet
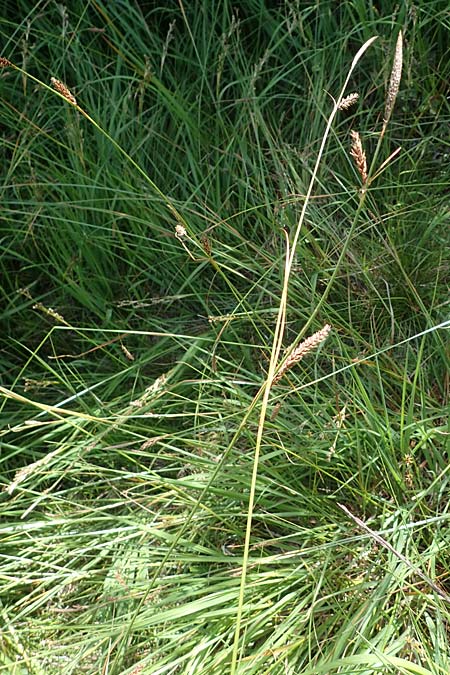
4,63
63,90
304,348
358,154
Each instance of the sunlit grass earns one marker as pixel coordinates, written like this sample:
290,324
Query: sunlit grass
143,257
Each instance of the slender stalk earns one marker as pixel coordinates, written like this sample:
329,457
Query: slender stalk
276,348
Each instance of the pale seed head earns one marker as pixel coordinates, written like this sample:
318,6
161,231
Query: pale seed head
394,82
348,101
180,231
304,348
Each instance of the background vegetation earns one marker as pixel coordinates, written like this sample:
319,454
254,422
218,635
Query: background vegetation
131,358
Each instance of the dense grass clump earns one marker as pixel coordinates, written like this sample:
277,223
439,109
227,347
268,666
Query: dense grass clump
224,270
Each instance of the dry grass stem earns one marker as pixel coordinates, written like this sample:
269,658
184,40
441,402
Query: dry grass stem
127,353
394,82
304,348
4,63
61,88
359,156
348,101
378,538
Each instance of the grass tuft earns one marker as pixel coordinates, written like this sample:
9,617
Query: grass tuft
168,242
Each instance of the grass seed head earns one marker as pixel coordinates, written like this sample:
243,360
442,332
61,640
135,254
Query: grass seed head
180,231
394,82
308,345
61,88
4,63
50,312
358,154
348,101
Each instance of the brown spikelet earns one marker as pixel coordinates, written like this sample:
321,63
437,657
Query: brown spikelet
206,244
394,82
359,155
304,348
4,63
348,101
63,90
